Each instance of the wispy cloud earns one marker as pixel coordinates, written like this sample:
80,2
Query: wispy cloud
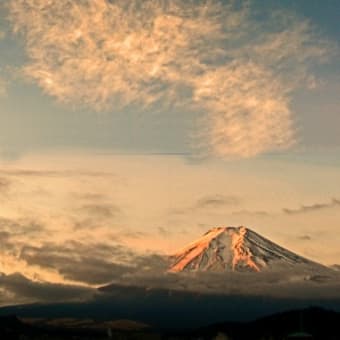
53,173
304,237
20,227
209,56
208,203
101,210
314,207
257,213
217,201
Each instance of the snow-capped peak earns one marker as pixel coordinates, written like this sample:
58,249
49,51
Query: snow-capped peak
235,249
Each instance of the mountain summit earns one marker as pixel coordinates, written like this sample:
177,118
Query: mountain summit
234,249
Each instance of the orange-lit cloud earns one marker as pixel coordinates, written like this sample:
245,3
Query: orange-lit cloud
208,56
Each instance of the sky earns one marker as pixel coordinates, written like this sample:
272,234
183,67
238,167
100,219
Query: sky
128,129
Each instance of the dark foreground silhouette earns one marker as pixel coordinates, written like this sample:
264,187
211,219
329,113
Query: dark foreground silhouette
312,323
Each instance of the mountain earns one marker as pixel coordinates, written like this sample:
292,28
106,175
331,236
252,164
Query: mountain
235,249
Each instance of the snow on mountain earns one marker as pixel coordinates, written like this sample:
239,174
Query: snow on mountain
234,249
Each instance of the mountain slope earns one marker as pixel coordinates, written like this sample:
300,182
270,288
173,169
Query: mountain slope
234,249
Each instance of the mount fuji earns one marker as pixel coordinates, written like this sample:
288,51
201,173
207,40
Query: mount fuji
230,273
236,249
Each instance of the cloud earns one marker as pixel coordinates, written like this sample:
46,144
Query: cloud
208,203
91,264
3,87
75,261
53,173
164,232
244,212
21,227
305,237
16,288
101,210
211,57
14,235
95,210
149,276
295,282
217,201
314,207
3,79
4,184
83,262
89,196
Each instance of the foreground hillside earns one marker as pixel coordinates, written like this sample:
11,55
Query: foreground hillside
319,324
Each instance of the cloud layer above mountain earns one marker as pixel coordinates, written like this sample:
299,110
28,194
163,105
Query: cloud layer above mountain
235,68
